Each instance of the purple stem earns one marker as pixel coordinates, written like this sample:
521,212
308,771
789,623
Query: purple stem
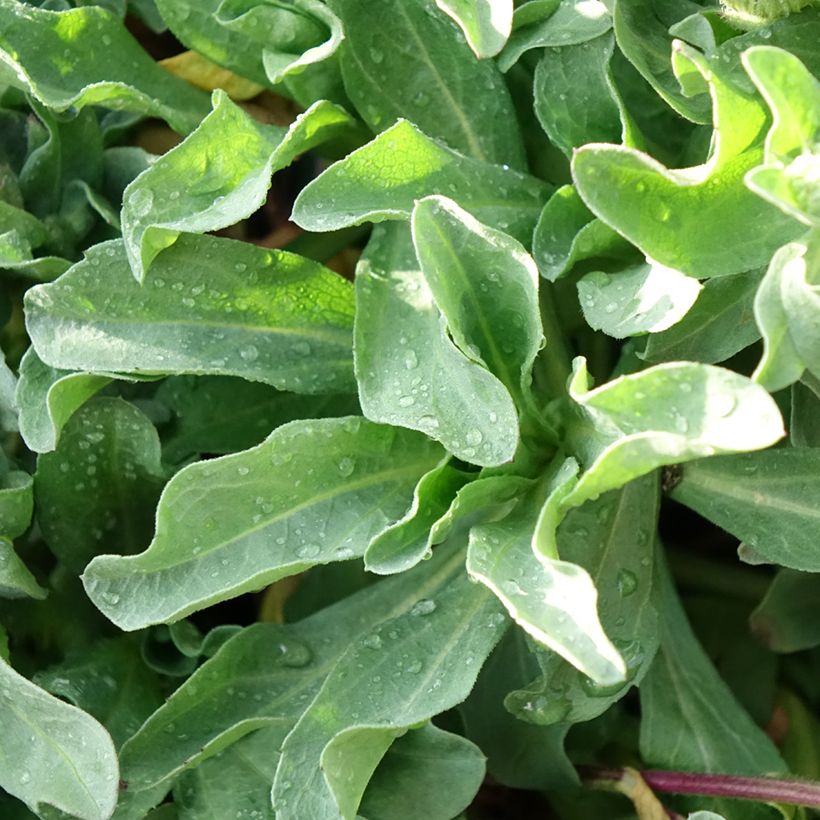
765,789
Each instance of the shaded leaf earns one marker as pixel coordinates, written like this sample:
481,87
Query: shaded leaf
786,619
16,502
15,579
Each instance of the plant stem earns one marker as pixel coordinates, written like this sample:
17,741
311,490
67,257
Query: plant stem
554,360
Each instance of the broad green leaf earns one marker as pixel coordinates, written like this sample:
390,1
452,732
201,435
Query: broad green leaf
403,544
519,755
613,540
419,378
767,500
554,601
646,298
781,363
93,61
212,306
575,98
15,579
799,273
110,682
240,522
667,414
567,232
426,774
404,671
268,674
690,718
54,754
486,286
719,324
197,187
786,620
383,179
47,399
680,217
486,24
642,32
16,503
220,414
573,22
101,484
405,59
789,177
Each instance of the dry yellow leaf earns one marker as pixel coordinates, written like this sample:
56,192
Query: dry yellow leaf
201,72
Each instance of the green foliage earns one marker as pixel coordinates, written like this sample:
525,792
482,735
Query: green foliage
341,417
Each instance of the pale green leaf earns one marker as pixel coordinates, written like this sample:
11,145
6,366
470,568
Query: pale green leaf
768,500
47,399
781,363
800,292
646,298
15,579
54,754
406,59
212,306
93,60
486,23
719,324
101,484
667,414
404,671
383,179
554,601
16,502
786,620
9,409
268,674
418,378
197,187
403,544
486,286
573,22
240,522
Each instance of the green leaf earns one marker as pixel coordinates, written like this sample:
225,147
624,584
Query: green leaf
419,378
404,671
573,22
613,540
54,754
430,79
719,324
15,579
220,414
198,188
690,718
9,410
239,522
667,414
268,674
118,75
765,499
16,503
212,306
383,179
781,363
642,31
567,233
789,177
426,774
575,97
101,484
679,217
786,620
554,601
403,544
110,682
486,286
486,24
804,429
646,298
47,399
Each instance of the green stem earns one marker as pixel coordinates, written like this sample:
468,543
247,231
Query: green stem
554,361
